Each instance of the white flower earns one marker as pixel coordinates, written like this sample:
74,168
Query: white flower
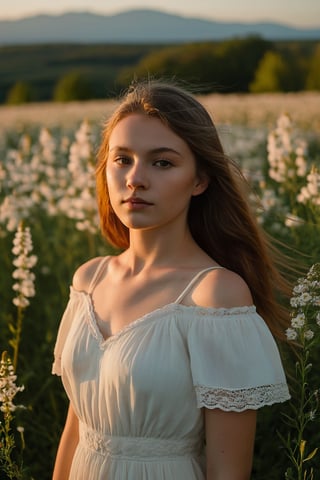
304,298
21,302
284,122
304,195
312,415
308,334
268,199
311,191
294,302
298,321
316,301
300,288
318,319
301,165
291,334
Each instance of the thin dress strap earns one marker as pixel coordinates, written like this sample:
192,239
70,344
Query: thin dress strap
95,276
193,281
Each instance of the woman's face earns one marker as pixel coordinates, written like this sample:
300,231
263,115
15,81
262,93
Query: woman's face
151,173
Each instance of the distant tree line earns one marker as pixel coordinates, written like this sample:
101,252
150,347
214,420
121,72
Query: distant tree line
81,72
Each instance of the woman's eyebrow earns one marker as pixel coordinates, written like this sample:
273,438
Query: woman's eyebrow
165,150
152,151
118,147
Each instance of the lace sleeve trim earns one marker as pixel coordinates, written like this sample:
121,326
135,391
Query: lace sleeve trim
241,399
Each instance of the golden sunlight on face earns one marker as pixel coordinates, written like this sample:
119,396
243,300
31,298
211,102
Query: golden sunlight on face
151,173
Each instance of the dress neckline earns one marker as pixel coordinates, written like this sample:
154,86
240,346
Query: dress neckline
152,315
92,313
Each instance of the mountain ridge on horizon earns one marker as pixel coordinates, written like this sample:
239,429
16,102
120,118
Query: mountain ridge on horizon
126,11
138,26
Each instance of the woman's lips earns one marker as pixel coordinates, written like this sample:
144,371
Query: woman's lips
137,202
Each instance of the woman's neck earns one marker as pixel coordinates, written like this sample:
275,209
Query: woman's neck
149,250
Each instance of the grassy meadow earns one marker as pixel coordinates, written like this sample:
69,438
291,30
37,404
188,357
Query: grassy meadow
47,158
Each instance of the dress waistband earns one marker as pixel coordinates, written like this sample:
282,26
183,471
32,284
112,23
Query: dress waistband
136,447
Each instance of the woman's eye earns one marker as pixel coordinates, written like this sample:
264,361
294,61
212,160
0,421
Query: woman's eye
120,160
163,163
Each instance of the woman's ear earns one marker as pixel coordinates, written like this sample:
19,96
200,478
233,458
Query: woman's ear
201,185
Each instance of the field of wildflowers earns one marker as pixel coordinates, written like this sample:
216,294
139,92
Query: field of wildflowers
49,225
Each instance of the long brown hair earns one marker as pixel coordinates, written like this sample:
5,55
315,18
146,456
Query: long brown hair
220,219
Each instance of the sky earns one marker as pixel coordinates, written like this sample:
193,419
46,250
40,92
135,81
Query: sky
300,13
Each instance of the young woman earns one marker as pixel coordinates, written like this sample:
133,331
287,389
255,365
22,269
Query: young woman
166,350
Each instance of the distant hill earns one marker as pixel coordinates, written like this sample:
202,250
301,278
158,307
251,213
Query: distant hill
137,26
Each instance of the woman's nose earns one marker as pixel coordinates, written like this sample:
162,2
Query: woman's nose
137,177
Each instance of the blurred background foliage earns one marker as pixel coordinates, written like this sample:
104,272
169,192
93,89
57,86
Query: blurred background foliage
77,72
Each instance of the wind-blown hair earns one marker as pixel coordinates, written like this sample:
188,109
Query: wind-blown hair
220,219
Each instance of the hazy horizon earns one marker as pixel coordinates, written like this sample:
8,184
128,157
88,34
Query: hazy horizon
289,12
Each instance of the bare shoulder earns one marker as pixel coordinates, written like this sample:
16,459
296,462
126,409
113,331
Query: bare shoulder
222,288
83,275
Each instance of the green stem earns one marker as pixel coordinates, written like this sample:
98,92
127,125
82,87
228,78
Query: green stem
16,343
301,417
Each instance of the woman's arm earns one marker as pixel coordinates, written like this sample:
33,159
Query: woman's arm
229,444
68,443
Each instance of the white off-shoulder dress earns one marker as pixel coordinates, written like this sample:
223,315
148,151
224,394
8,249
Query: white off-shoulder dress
138,394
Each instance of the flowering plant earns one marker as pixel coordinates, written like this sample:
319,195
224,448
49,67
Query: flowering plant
304,331
79,200
292,187
24,289
286,156
24,282
311,192
8,390
24,285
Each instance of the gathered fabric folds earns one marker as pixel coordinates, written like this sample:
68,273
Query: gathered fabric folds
102,456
